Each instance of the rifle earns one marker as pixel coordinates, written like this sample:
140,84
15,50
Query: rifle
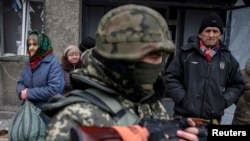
146,130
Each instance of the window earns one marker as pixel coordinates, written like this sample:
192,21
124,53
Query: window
17,18
93,10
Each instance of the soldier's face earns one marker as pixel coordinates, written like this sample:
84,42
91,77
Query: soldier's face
147,71
155,58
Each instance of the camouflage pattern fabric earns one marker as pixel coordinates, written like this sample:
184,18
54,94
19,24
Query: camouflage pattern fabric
130,32
126,33
88,114
112,77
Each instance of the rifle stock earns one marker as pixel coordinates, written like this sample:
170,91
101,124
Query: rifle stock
156,131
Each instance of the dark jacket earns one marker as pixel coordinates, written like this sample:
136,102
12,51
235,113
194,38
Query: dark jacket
200,88
242,112
67,68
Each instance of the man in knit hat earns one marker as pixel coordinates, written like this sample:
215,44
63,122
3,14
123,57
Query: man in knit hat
204,78
213,20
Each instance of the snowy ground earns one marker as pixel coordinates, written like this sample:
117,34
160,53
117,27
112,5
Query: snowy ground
228,115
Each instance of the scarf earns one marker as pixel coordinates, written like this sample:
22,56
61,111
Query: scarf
44,48
37,58
209,52
113,75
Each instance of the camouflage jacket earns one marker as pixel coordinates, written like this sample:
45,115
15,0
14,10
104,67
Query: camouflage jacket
88,114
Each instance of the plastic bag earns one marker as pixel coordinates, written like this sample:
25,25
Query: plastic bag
27,124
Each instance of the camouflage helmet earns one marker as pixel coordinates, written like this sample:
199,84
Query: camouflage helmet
131,31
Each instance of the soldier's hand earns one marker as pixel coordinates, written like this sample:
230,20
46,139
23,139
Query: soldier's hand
192,133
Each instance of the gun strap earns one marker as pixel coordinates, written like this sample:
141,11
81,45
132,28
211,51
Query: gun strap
108,104
120,114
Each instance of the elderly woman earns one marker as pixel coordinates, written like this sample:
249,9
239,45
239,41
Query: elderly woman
69,62
42,77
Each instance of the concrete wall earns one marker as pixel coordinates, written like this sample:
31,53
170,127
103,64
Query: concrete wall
62,23
10,69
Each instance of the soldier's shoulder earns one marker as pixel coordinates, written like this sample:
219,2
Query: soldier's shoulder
84,113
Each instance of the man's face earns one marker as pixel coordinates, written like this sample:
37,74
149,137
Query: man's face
210,36
155,58
147,71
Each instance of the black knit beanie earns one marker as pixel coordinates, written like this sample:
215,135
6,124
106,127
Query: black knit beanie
87,43
212,20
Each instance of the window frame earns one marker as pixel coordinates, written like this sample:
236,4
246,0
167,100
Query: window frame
1,28
24,26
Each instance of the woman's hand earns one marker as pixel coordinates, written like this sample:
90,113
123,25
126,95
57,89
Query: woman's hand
23,94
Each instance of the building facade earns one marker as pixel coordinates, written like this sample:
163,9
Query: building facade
67,21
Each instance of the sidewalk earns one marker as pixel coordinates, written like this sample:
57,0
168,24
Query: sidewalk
4,129
4,138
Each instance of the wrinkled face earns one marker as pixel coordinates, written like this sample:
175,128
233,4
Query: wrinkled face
32,46
210,36
74,57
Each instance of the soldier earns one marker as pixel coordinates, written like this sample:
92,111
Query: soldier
117,75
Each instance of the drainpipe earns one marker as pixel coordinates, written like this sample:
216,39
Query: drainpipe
24,31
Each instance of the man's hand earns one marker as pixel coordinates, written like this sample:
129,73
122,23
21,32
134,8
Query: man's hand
192,133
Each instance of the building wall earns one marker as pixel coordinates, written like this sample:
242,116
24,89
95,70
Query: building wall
62,23
10,69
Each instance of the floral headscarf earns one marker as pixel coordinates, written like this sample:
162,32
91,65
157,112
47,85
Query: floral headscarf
44,48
